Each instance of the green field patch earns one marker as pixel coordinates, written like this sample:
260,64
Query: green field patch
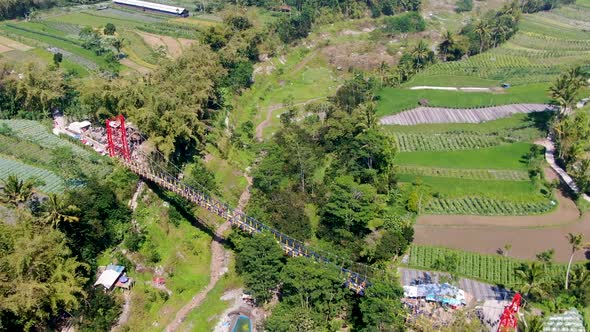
454,81
474,174
518,127
484,206
444,142
395,100
56,41
176,30
52,183
38,134
174,247
494,269
95,20
507,157
453,188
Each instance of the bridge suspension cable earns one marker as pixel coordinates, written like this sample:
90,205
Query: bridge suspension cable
357,274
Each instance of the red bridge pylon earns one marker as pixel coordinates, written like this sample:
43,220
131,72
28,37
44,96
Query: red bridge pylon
117,138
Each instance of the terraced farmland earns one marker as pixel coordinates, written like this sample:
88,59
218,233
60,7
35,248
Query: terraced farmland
52,182
546,43
444,142
36,133
475,174
428,115
488,206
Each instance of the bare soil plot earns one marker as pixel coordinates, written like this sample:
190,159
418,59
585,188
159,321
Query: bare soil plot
4,48
528,235
425,115
186,43
172,45
133,65
152,40
358,54
13,44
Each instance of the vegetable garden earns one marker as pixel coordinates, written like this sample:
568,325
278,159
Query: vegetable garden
51,182
444,142
491,268
36,133
475,205
460,173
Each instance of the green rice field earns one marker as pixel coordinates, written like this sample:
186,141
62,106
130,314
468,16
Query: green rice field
52,182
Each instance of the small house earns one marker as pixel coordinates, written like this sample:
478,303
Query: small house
113,276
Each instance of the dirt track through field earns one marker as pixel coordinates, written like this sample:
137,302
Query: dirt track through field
426,115
528,235
219,265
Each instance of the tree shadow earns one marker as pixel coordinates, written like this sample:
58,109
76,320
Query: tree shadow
540,120
182,206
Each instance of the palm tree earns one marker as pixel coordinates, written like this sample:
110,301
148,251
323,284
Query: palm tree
56,211
421,54
575,240
530,278
531,324
482,29
563,91
15,191
446,44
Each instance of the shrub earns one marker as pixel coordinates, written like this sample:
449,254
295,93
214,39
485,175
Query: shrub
404,23
464,6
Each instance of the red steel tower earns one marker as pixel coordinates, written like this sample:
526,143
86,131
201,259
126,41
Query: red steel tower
117,138
509,318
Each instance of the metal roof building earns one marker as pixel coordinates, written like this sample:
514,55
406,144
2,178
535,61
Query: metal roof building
157,7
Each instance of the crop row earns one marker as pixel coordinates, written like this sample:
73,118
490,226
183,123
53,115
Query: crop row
172,29
68,28
474,174
52,182
487,206
34,132
534,40
491,268
443,142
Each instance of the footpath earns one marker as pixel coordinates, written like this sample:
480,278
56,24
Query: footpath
550,157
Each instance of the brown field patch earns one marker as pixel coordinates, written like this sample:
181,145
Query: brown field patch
152,40
133,65
173,46
194,21
186,43
4,48
359,55
13,44
528,235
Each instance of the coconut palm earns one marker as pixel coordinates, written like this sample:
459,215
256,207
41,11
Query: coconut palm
531,324
565,89
447,42
530,279
421,54
575,240
56,211
482,29
15,191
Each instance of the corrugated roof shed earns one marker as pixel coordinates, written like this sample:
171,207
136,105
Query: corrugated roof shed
569,321
151,5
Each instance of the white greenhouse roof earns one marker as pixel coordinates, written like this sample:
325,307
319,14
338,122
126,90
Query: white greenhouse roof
108,278
151,5
569,321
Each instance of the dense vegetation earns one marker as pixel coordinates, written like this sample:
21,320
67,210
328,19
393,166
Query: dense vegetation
49,252
330,176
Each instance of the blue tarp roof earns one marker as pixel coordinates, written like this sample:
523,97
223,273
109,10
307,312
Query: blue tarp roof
118,268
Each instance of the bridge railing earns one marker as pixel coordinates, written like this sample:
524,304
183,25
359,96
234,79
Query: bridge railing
357,274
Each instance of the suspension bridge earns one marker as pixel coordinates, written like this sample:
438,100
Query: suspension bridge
356,275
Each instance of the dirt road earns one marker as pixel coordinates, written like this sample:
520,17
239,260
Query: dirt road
219,265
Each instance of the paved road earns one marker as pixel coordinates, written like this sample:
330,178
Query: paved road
427,115
479,290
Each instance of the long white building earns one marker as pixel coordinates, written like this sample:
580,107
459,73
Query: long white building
155,7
